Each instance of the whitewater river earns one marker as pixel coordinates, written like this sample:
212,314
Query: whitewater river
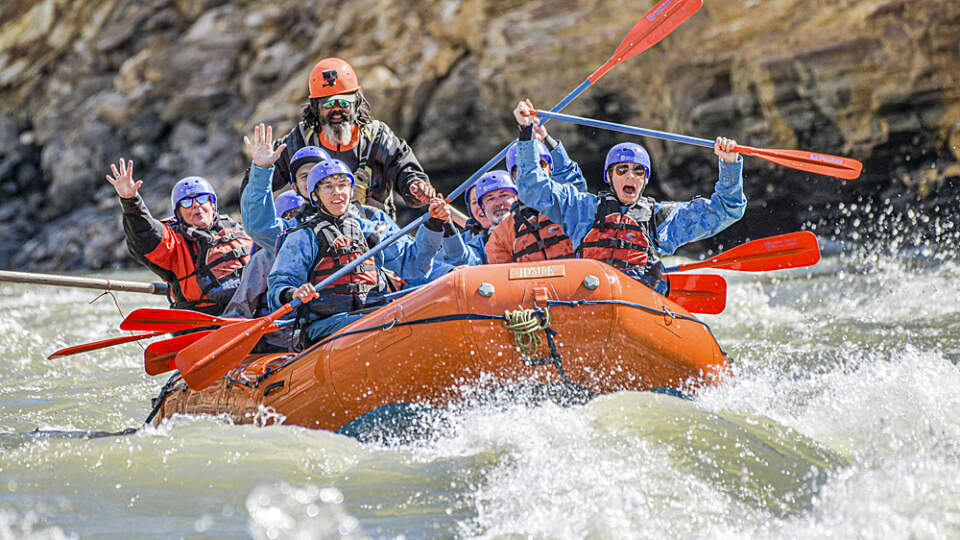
843,421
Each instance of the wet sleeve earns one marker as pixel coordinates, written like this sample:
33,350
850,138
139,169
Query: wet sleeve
702,218
291,268
260,218
560,203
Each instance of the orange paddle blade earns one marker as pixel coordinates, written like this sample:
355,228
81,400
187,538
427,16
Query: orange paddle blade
699,293
792,250
213,356
76,349
171,320
159,356
803,160
662,19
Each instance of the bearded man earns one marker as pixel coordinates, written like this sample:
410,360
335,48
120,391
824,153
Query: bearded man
338,119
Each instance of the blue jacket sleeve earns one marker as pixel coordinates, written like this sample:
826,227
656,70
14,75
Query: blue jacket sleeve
565,170
702,218
292,265
259,216
455,248
563,204
403,256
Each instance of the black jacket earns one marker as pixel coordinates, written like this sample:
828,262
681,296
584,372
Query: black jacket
393,166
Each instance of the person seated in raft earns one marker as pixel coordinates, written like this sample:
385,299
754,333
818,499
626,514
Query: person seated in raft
526,235
249,300
466,248
410,259
315,249
621,227
198,252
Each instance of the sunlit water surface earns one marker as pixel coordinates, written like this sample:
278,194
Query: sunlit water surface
843,420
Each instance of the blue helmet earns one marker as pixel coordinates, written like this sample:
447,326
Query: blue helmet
541,148
326,169
626,153
492,181
189,187
286,201
307,154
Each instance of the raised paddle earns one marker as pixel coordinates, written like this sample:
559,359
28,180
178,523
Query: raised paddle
160,355
85,283
792,250
77,349
698,293
662,19
172,320
803,160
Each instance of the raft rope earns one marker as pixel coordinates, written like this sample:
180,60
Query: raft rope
525,323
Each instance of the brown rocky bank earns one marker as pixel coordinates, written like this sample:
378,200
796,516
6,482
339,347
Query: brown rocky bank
175,84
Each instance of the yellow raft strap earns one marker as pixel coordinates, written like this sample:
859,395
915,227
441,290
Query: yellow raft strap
525,324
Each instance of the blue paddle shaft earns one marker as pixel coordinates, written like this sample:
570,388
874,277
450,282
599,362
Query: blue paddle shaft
590,122
453,195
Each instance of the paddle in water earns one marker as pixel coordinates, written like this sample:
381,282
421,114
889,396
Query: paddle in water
205,364
803,160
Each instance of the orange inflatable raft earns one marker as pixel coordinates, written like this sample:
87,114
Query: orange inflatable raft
578,322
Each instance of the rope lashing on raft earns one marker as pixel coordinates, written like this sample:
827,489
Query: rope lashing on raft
525,323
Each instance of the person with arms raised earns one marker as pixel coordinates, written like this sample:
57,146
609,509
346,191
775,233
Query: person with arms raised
198,252
620,226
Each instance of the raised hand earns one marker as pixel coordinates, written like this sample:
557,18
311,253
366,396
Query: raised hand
122,179
724,148
523,113
261,149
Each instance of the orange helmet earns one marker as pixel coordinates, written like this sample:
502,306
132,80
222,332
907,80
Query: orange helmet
332,76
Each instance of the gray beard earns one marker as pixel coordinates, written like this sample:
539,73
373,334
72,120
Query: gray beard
341,133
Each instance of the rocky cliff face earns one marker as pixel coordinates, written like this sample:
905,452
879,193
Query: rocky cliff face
175,84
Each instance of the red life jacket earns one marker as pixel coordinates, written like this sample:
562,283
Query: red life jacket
625,240
219,254
536,238
339,242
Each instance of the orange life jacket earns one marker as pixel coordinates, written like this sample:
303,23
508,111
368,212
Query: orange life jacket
218,255
536,238
624,239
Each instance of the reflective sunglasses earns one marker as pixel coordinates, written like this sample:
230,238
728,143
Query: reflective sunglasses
623,169
203,198
339,102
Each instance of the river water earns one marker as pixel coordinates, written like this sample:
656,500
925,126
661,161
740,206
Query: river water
843,421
